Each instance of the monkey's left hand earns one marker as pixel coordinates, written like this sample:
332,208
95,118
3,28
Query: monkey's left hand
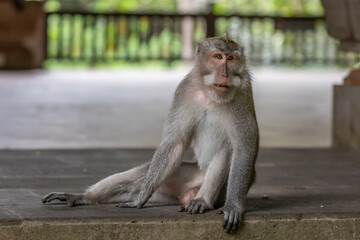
232,217
194,206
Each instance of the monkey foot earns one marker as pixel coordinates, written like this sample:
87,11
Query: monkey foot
133,204
232,218
71,199
194,206
127,205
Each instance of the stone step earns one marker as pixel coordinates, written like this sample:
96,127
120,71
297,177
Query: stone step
299,194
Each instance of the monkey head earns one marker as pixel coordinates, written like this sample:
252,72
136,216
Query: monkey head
219,63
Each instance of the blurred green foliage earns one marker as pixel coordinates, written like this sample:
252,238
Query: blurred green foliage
286,8
121,6
88,39
260,7
111,39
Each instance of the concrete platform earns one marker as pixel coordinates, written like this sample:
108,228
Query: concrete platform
299,194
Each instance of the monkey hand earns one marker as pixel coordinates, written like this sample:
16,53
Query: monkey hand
195,206
232,217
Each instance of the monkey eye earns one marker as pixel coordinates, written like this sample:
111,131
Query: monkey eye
230,57
218,56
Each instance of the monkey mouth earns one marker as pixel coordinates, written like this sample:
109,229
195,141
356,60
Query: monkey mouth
221,86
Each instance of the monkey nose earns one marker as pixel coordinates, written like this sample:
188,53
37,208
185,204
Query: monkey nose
225,74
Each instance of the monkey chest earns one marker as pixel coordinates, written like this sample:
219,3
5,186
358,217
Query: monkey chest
209,138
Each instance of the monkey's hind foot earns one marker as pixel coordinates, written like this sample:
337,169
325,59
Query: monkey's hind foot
195,206
133,204
70,199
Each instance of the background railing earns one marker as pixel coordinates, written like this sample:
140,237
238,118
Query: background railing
83,36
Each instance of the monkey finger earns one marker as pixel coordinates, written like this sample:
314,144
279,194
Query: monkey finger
202,209
53,196
71,203
230,222
235,225
226,218
189,207
46,198
125,205
195,208
181,208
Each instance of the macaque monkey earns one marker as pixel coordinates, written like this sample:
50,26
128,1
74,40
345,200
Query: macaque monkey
213,113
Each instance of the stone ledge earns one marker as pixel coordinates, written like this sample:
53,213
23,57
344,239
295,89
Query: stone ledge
180,228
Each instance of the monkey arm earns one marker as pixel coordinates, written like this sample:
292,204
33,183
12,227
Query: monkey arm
240,176
214,179
167,158
243,158
245,140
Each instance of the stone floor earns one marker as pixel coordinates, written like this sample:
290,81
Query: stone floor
127,108
316,191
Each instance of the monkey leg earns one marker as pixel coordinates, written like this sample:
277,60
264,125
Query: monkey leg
117,187
184,183
123,187
214,179
180,186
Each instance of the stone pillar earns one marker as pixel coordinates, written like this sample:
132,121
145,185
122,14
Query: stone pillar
343,22
22,34
187,26
346,112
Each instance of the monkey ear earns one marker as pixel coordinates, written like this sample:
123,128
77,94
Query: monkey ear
198,48
242,50
202,47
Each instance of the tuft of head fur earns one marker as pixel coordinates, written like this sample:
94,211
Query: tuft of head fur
225,38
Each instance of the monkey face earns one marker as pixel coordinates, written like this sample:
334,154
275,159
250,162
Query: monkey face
220,62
